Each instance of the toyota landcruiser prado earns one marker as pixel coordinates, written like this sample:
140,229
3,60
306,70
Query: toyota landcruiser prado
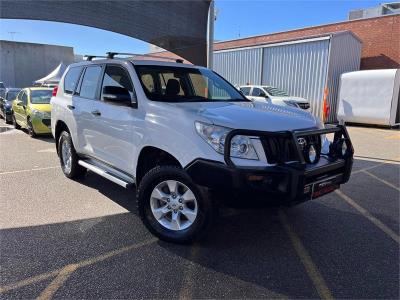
180,132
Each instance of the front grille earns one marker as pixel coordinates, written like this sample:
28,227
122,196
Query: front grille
283,149
304,105
279,149
46,122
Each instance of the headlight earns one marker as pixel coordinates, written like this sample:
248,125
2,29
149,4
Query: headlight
241,145
291,103
37,113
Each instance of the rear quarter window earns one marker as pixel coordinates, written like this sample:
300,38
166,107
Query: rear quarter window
71,79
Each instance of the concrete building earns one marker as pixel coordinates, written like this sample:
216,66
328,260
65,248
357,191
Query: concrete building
376,11
22,63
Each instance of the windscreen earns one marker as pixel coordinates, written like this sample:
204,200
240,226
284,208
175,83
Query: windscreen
41,96
178,84
273,91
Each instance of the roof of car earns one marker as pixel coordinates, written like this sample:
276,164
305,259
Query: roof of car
141,62
38,88
254,85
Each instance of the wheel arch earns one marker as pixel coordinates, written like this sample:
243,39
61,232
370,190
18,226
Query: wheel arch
60,127
150,157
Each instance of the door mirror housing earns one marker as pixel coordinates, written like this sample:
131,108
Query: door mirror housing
119,96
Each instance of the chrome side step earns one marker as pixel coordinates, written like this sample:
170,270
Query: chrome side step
106,173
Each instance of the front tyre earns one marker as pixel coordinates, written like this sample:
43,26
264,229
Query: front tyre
14,120
31,131
172,207
68,157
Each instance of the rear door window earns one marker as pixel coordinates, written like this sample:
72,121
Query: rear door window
90,82
255,92
245,90
71,79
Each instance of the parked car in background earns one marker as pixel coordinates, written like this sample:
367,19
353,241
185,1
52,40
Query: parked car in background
2,89
270,94
32,110
181,133
6,103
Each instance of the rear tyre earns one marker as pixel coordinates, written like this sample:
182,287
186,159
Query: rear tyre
31,131
172,207
7,119
68,157
16,126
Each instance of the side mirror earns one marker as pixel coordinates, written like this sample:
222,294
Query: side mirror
118,95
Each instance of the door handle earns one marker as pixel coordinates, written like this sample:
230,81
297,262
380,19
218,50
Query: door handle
96,113
70,107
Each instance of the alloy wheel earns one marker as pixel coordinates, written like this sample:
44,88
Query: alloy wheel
173,205
66,156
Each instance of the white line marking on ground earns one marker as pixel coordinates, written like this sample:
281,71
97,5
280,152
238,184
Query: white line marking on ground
83,263
57,282
370,217
49,150
28,170
382,180
311,268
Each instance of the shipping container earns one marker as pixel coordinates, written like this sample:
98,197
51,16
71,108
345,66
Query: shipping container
308,67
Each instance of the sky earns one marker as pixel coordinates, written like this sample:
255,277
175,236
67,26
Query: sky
234,19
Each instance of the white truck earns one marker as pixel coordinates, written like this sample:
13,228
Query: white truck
179,133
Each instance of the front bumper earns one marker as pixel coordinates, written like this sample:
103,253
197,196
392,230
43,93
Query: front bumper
41,126
293,181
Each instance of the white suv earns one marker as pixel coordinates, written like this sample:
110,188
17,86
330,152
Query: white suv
181,133
273,95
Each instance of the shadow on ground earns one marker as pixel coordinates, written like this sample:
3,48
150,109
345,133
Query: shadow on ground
248,255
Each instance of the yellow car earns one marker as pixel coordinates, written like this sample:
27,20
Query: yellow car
32,110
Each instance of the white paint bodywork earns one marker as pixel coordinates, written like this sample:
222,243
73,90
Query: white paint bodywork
369,97
120,133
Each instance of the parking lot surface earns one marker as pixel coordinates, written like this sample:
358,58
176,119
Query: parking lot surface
66,239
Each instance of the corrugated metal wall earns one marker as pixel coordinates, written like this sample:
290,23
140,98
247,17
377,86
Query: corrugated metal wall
300,69
240,66
345,56
303,68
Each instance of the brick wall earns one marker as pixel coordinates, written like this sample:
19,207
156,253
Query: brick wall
380,37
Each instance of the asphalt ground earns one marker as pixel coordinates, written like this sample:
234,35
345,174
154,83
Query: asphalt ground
66,239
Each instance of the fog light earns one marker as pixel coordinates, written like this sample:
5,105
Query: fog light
311,154
344,148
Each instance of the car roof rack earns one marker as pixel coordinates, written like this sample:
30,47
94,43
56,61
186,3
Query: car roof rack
111,55
90,57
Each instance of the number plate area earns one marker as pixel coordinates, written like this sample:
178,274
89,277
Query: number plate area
322,187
